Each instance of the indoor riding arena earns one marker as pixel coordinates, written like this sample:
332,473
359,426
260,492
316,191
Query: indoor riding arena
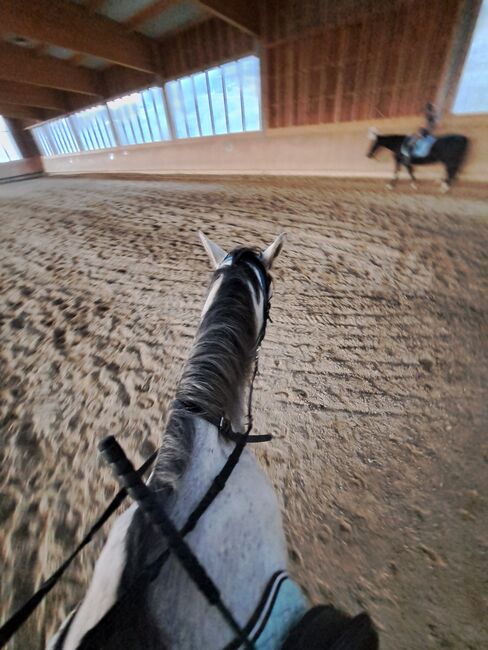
128,127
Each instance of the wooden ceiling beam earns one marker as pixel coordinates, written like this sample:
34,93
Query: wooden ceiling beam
120,81
93,5
151,11
80,102
41,49
21,112
243,14
76,59
73,26
20,64
14,92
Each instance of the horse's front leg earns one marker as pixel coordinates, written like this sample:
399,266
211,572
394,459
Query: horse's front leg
393,182
413,180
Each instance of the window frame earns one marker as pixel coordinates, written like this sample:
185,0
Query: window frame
195,105
479,27
8,144
218,102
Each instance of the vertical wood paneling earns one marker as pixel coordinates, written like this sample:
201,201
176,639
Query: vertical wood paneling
206,44
355,59
339,86
362,54
290,91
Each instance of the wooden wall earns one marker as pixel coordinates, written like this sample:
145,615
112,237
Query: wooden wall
207,43
323,61
326,150
327,61
202,46
23,138
30,163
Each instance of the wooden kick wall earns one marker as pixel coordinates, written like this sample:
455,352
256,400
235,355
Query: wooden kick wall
337,61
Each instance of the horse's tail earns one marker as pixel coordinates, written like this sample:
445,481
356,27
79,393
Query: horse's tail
462,153
461,143
464,150
453,150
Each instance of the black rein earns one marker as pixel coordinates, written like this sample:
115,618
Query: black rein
132,483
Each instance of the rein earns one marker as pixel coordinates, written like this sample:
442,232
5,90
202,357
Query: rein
131,483
10,627
124,473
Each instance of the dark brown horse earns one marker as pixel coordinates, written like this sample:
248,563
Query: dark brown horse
450,150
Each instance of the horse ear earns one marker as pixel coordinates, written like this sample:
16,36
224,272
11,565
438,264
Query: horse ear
268,256
214,251
372,133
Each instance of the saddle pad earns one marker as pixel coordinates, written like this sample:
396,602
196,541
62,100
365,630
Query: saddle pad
421,148
281,607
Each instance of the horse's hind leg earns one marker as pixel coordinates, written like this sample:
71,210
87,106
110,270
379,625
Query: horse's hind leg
391,184
413,180
450,176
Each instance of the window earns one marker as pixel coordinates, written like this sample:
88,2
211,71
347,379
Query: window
225,99
217,101
40,136
63,133
251,92
56,138
140,117
8,147
175,101
94,128
203,103
232,89
472,94
87,130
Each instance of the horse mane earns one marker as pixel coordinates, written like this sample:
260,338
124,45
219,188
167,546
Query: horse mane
218,365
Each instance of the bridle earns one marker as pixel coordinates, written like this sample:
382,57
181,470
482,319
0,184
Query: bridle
222,423
131,483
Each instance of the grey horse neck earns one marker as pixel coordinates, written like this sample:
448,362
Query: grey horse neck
215,376
224,348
